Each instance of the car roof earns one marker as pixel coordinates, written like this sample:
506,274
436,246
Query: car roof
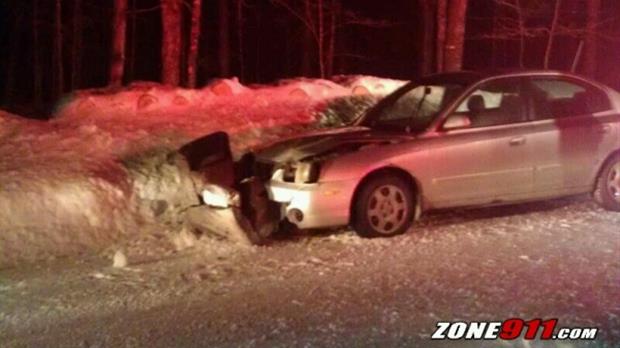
467,77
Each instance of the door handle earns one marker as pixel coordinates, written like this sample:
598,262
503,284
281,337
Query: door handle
517,141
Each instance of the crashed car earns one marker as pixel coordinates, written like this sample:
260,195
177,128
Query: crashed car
450,140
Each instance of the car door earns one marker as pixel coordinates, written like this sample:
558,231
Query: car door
571,134
489,161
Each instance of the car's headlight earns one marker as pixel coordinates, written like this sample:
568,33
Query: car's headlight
306,172
219,197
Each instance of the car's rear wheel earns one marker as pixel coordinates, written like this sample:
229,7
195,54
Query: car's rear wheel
607,192
384,207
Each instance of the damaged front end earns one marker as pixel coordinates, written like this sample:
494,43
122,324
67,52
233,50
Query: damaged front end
235,188
281,182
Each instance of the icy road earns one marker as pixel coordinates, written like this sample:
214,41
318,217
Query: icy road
559,259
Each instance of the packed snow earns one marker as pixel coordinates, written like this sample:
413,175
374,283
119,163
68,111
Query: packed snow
68,185
552,259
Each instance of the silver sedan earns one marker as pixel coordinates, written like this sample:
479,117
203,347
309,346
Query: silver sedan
450,140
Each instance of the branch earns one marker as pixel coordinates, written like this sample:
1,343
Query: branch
143,10
302,18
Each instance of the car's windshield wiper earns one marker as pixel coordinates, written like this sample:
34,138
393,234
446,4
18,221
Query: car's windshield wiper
427,91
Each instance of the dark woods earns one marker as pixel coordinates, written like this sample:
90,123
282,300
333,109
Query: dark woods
52,47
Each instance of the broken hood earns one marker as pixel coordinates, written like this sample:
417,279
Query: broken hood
326,143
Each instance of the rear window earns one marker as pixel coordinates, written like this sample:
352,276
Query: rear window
557,98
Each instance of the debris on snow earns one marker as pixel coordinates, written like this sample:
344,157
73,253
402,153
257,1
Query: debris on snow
183,240
119,260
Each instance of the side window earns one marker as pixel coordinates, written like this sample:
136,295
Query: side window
495,103
557,98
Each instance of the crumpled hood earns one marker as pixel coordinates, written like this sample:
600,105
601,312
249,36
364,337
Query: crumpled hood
325,143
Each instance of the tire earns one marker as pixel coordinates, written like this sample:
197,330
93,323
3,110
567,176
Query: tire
607,190
384,207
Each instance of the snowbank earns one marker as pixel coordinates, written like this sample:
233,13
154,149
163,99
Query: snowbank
370,85
66,185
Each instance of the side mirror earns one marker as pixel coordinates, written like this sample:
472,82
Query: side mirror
457,122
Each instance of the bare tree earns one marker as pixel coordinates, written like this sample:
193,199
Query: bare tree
442,20
309,39
119,25
313,19
130,72
426,28
552,33
171,42
192,66
321,20
521,21
331,45
224,38
321,36
591,41
240,37
37,77
58,61
14,44
76,45
508,27
455,37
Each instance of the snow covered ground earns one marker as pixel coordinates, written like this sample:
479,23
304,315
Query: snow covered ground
554,259
64,184
92,182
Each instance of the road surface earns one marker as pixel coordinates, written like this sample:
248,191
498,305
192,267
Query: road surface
558,259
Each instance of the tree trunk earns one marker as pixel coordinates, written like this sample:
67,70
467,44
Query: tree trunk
308,40
119,25
131,66
37,77
194,44
171,42
591,45
455,37
321,38
495,39
426,43
329,55
240,41
58,62
76,47
13,48
554,24
519,9
442,15
224,39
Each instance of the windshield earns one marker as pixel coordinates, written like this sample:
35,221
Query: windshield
412,107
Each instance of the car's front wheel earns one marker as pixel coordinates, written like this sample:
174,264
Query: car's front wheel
384,207
607,191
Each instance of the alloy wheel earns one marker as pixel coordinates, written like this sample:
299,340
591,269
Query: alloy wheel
387,209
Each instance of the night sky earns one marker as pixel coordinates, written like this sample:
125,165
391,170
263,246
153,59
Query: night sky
272,47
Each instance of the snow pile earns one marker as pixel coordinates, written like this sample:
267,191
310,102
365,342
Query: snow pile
370,85
104,166
163,187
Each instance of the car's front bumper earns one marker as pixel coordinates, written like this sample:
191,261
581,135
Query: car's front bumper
320,204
